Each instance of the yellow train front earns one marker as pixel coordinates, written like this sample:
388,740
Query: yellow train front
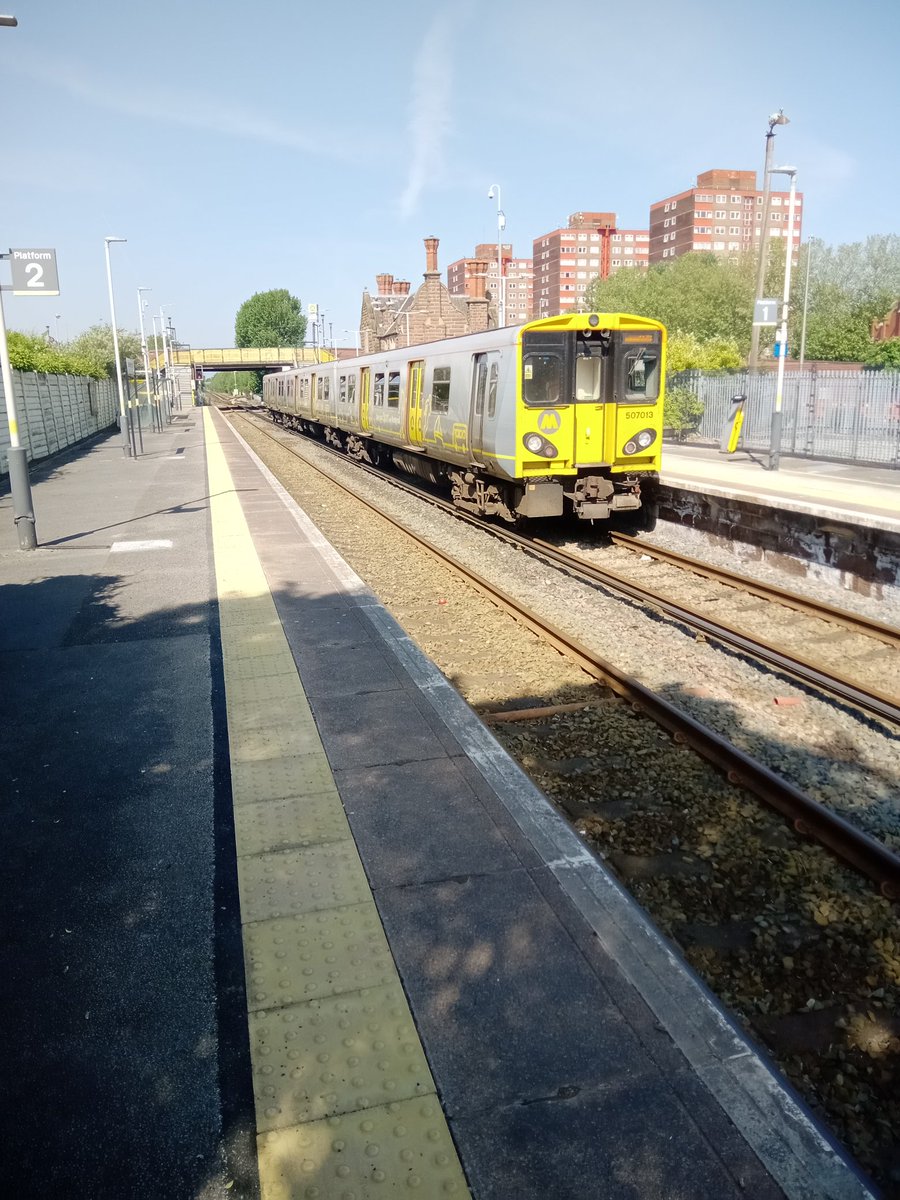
589,405
561,415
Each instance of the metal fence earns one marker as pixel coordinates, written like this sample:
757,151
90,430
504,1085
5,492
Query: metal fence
842,415
56,411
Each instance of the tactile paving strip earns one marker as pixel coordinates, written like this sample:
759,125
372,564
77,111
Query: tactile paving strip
298,881
345,1100
294,823
291,959
333,1055
278,778
400,1149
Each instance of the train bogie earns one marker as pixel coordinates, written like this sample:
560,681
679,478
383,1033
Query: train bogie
562,414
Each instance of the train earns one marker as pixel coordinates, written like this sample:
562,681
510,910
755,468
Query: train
561,415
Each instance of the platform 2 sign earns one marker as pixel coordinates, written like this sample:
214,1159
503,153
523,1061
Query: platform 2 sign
34,273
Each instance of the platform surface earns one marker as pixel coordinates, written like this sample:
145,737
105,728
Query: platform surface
837,491
282,919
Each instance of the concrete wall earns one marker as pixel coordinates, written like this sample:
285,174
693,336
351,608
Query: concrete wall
56,411
861,557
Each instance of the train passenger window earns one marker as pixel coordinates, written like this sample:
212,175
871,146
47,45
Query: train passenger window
342,389
641,374
378,389
393,395
479,382
542,379
351,389
327,390
320,389
440,390
492,388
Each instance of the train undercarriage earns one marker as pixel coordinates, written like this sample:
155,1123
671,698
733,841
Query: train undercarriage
626,503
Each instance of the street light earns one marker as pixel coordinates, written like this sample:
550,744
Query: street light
355,333
781,336
127,446
58,318
775,119
501,225
12,22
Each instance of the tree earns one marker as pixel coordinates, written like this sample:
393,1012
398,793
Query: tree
95,346
270,319
696,294
227,382
688,353
885,354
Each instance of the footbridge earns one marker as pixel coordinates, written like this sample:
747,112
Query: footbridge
243,358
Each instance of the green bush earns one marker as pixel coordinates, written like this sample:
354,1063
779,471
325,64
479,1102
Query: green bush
683,412
27,352
884,354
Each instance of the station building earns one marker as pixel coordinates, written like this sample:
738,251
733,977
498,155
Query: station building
565,261
723,214
395,316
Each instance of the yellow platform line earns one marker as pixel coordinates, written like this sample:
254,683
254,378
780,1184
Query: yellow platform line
346,1107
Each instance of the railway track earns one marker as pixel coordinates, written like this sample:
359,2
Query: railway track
808,817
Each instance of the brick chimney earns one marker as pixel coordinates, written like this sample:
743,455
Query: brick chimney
401,287
431,261
476,300
385,284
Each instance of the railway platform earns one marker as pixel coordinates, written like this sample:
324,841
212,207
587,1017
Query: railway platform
845,492
282,919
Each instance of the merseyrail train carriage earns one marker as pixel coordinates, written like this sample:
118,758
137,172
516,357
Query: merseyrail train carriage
561,414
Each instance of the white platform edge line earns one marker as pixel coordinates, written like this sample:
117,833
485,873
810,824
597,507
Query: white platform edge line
793,1147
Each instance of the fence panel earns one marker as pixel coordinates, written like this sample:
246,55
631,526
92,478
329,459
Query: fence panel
843,415
55,411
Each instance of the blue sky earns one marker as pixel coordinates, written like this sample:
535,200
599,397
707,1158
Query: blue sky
241,147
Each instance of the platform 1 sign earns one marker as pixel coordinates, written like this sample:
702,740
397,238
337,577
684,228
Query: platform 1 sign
765,312
34,273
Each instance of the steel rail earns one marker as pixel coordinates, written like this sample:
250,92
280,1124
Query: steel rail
808,816
766,591
814,675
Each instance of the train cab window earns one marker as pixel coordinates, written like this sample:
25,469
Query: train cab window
640,374
492,388
351,389
542,379
588,377
440,390
378,389
393,394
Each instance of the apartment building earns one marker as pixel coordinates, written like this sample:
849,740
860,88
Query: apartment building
565,261
517,274
723,214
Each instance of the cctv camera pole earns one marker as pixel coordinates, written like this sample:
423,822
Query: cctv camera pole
776,119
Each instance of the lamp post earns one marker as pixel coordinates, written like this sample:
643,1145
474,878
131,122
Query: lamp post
127,445
781,337
355,333
775,119
501,225
805,303
167,359
144,352
17,458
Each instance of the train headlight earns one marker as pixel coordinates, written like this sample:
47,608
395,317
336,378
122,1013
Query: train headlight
534,443
640,441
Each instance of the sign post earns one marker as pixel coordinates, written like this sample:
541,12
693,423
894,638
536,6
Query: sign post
33,274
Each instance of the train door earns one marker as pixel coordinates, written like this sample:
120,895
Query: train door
414,403
364,392
485,375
